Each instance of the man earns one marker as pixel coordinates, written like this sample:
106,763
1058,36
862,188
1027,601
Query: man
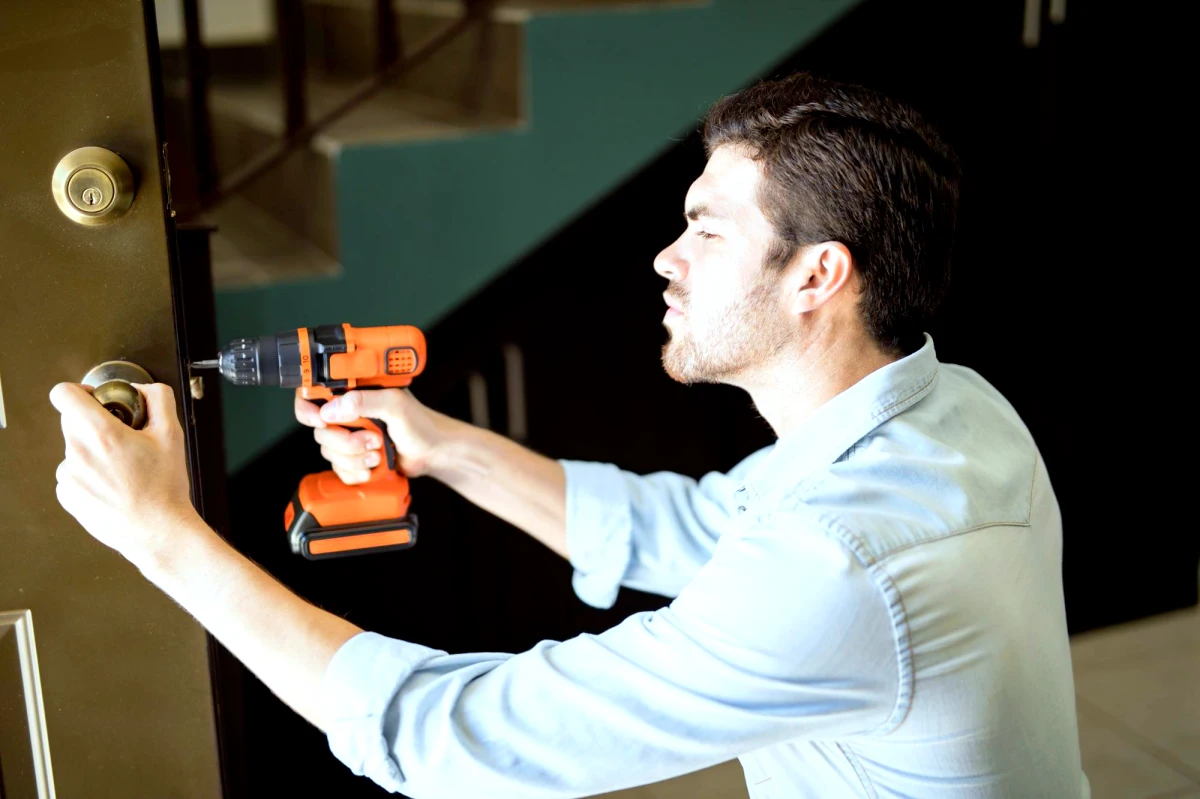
870,607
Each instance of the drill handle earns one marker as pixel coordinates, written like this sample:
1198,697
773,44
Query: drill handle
391,460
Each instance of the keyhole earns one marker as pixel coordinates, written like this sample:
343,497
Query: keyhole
92,196
121,412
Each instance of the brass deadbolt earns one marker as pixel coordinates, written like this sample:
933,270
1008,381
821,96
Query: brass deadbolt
110,382
92,186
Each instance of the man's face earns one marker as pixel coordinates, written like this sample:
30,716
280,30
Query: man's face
728,314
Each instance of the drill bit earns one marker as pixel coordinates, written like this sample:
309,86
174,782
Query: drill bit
213,364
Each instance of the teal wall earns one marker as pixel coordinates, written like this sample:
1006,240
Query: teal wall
425,225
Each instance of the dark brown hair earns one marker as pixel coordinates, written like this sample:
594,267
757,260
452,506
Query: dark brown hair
844,163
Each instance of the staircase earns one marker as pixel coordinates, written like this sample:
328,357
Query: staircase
416,199
284,226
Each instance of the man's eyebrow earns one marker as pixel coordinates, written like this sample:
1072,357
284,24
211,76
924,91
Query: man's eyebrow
711,212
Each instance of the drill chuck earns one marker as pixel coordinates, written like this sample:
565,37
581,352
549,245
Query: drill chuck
263,361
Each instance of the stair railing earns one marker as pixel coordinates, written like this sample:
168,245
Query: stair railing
299,130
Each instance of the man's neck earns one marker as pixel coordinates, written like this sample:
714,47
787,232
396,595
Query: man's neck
791,388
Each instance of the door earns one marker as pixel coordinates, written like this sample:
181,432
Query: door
104,681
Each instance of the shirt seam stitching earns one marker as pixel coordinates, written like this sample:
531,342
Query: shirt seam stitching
863,778
1027,522
915,395
944,536
899,622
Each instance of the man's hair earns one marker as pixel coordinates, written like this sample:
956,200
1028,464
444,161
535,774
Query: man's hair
844,163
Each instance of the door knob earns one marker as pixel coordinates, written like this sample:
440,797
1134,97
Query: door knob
92,186
110,382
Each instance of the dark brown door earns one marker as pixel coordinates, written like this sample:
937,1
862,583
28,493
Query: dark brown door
104,681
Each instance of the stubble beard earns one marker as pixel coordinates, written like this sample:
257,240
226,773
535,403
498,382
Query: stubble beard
743,336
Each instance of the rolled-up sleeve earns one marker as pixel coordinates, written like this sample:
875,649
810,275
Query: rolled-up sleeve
782,635
651,532
599,530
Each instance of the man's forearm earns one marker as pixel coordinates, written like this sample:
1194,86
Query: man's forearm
285,641
504,478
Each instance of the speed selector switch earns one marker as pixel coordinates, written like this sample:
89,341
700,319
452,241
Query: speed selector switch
92,186
110,382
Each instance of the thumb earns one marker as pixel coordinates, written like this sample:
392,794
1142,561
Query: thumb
160,405
376,404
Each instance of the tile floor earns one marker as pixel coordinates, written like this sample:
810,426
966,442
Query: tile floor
1137,688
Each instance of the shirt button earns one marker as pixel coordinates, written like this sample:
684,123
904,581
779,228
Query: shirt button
741,508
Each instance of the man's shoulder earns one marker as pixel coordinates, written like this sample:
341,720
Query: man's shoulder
959,460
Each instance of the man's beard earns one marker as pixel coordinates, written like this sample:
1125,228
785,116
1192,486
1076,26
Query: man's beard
744,335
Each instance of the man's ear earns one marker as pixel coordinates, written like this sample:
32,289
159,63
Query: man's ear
820,272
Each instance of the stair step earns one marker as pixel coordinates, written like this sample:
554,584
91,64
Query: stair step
292,209
283,226
299,191
481,71
521,10
252,248
513,10
394,114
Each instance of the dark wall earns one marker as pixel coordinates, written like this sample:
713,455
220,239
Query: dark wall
1042,304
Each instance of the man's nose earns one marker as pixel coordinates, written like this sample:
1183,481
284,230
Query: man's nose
670,263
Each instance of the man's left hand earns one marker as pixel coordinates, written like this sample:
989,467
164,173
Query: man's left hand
128,488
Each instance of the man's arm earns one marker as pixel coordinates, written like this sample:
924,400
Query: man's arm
287,642
130,490
510,481
649,532
523,488
783,635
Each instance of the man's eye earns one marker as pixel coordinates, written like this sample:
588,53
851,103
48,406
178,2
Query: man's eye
705,235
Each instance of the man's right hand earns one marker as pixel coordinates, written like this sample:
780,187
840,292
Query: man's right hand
414,429
524,488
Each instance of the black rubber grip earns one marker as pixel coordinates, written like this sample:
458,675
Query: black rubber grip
393,457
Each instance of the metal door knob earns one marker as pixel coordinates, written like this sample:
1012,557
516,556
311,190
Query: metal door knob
92,186
110,382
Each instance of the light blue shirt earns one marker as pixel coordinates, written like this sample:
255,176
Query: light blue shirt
871,607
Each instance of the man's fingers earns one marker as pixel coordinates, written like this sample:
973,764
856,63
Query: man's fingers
76,403
352,476
307,413
336,439
345,408
160,405
351,462
378,404
346,442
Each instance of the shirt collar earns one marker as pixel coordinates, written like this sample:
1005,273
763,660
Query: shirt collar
839,423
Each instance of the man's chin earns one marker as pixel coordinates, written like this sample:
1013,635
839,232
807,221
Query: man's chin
670,362
678,365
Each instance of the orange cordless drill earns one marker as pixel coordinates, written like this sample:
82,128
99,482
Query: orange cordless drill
327,518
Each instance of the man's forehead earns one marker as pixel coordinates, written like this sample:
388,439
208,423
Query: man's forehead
728,185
